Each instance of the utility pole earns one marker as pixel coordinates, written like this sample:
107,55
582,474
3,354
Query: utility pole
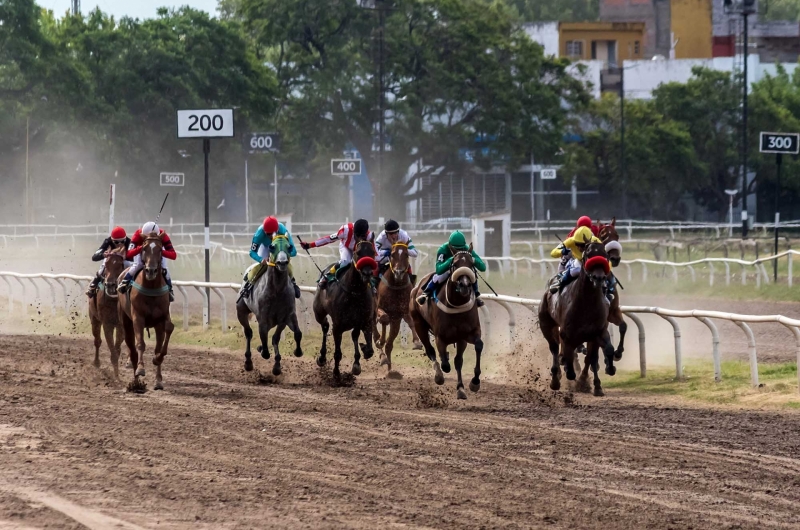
622,140
76,7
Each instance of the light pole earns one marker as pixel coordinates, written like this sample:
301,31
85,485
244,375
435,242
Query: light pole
731,194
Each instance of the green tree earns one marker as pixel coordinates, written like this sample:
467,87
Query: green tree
559,10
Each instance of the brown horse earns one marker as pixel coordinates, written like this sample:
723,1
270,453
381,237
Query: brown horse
453,319
577,315
103,309
608,233
351,305
394,294
146,305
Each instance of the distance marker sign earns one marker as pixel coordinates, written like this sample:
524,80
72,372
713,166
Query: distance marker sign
209,123
258,142
345,166
785,143
172,179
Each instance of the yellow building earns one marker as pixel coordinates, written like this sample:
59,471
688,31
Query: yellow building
605,41
691,27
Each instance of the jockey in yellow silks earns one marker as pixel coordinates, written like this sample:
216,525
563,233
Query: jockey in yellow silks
575,246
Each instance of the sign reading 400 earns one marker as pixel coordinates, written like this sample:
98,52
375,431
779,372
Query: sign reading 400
210,123
346,166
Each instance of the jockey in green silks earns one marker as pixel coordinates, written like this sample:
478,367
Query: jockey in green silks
259,251
444,260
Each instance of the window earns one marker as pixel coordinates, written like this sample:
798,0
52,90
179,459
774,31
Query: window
636,48
575,49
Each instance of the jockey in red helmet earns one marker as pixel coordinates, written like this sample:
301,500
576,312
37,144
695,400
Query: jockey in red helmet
134,253
117,239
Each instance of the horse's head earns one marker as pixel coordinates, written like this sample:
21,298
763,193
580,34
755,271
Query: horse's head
463,271
279,252
151,256
364,258
399,261
608,233
115,264
595,263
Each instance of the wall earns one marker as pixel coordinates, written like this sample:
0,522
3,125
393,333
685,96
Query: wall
654,14
690,23
590,75
624,33
544,33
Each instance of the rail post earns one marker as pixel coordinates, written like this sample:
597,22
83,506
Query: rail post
10,296
185,307
642,350
751,351
678,353
223,309
714,347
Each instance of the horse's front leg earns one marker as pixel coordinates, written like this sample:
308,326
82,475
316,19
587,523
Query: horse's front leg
366,346
298,335
337,352
459,362
118,338
444,356
394,330
475,383
157,358
108,331
96,324
357,360
276,338
583,379
593,360
169,327
243,315
323,350
608,353
263,335
138,333
623,328
568,355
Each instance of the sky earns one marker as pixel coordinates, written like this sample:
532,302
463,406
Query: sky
132,8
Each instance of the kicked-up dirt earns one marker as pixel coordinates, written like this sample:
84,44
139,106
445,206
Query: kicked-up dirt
221,448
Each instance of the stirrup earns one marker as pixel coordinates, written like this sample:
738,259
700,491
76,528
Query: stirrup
91,292
123,286
171,296
422,299
297,291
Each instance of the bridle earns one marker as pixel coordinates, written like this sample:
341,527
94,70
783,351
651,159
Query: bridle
271,260
400,245
359,244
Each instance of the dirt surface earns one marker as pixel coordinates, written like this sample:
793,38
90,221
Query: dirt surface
219,448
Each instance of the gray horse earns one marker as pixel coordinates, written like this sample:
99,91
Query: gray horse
272,301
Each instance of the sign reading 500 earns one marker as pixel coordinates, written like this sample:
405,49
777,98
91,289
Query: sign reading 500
210,123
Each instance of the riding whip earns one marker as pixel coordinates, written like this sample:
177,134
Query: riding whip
162,208
487,283
309,254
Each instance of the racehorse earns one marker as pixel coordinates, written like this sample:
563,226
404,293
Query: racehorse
608,233
272,301
577,315
103,309
146,305
452,318
349,301
394,294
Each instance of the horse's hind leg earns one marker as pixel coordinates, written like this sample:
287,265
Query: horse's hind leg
583,379
415,337
130,341
323,350
617,319
444,356
459,362
276,338
475,384
158,360
298,335
108,331
593,359
357,360
394,330
96,324
243,314
138,332
160,332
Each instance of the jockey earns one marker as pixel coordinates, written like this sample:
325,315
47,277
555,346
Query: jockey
575,246
614,250
444,259
347,236
134,253
566,255
392,234
259,251
117,239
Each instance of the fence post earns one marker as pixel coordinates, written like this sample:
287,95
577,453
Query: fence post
206,316
10,296
511,321
185,307
678,353
711,274
642,349
751,351
727,274
714,347
24,297
49,282
789,256
223,308
66,296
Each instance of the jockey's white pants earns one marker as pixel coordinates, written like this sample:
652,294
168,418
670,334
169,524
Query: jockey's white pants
440,278
102,270
138,265
574,266
345,255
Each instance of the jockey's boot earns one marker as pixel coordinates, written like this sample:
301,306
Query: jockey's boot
427,293
478,300
91,292
169,284
245,290
296,289
560,282
323,281
125,283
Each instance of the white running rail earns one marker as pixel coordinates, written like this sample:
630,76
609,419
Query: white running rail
672,316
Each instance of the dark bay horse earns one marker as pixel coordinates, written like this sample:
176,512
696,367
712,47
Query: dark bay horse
103,311
453,319
146,305
394,294
577,315
272,301
349,301
608,233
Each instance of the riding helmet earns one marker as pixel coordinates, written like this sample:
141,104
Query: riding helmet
361,227
391,226
149,227
585,220
118,233
270,225
457,240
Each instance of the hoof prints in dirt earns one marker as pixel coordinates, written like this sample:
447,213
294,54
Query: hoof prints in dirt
137,386
430,397
346,379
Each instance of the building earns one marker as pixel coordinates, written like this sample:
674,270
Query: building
773,41
609,42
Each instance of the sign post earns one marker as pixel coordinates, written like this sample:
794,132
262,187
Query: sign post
260,142
780,144
112,199
206,124
547,174
171,179
342,167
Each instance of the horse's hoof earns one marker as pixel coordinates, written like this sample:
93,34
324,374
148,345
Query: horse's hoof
618,355
384,360
598,391
158,386
356,369
96,363
336,373
321,361
460,394
264,353
611,370
446,367
259,348
276,370
298,352
571,375
140,372
555,384
379,344
473,386
417,345
438,376
248,365
367,351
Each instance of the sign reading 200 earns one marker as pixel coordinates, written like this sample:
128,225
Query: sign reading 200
211,123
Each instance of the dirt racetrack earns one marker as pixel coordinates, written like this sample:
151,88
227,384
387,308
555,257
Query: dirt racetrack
220,449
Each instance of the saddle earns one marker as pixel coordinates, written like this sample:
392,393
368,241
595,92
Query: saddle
330,276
